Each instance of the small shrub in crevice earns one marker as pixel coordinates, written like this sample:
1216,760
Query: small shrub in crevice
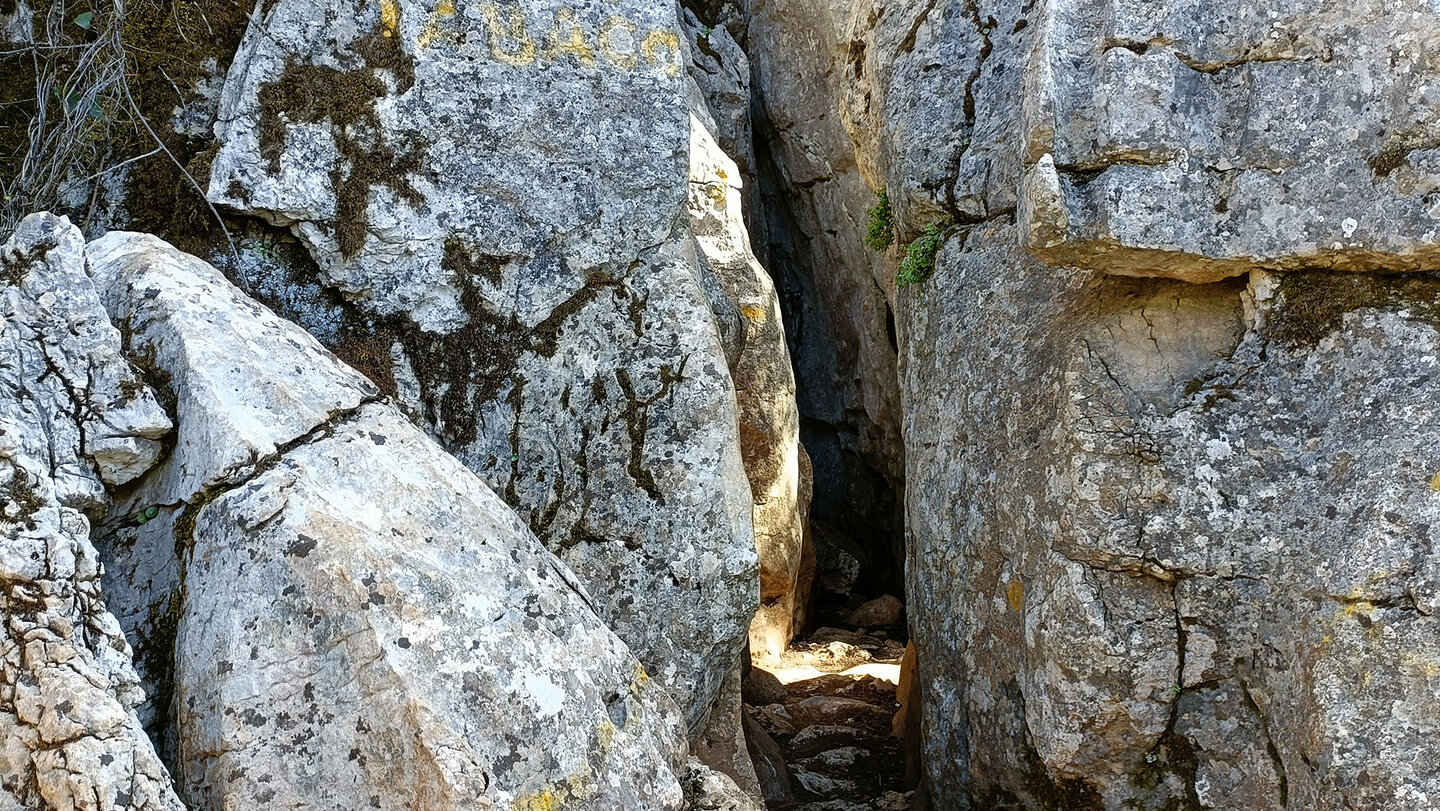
919,261
881,233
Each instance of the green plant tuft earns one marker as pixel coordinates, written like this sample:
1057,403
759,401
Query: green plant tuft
881,234
919,261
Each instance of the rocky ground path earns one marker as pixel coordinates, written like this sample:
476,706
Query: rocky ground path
822,720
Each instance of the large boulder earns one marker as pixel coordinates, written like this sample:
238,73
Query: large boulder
243,385
75,417
360,621
1171,543
499,192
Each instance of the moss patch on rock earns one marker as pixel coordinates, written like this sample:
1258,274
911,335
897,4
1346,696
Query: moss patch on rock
1314,303
346,99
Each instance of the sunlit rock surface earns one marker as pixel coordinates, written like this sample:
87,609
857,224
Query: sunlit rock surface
74,417
523,250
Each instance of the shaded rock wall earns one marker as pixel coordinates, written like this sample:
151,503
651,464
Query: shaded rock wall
1168,542
833,289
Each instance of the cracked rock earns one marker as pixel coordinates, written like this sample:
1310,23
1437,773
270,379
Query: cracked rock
74,416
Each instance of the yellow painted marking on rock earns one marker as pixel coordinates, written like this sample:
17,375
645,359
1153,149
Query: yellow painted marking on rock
1435,483
522,51
621,56
754,313
567,37
1015,595
541,801
432,32
389,17
656,42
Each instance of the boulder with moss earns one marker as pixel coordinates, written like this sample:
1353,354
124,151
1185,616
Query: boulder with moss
521,253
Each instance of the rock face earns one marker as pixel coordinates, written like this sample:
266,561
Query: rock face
1237,568
834,288
1170,543
74,417
361,621
752,332
1201,140
243,384
522,251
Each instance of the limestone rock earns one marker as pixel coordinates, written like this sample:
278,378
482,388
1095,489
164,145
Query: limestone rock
836,290
366,620
708,790
74,416
752,331
1151,522
1179,145
1236,514
244,383
880,612
361,621
761,687
521,247
770,766
721,742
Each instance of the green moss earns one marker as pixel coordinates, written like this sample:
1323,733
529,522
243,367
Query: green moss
370,356
172,46
183,529
1396,151
880,234
21,492
919,261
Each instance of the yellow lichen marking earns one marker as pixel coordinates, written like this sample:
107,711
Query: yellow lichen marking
656,42
389,17
544,800
513,29
753,313
622,58
1015,595
567,37
432,32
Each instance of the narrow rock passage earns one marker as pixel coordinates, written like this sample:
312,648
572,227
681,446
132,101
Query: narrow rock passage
824,721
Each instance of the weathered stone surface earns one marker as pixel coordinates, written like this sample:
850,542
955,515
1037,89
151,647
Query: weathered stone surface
1236,567
74,416
427,181
523,250
752,331
1144,516
244,383
769,761
362,622
1201,140
367,620
880,612
709,790
835,289
721,742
